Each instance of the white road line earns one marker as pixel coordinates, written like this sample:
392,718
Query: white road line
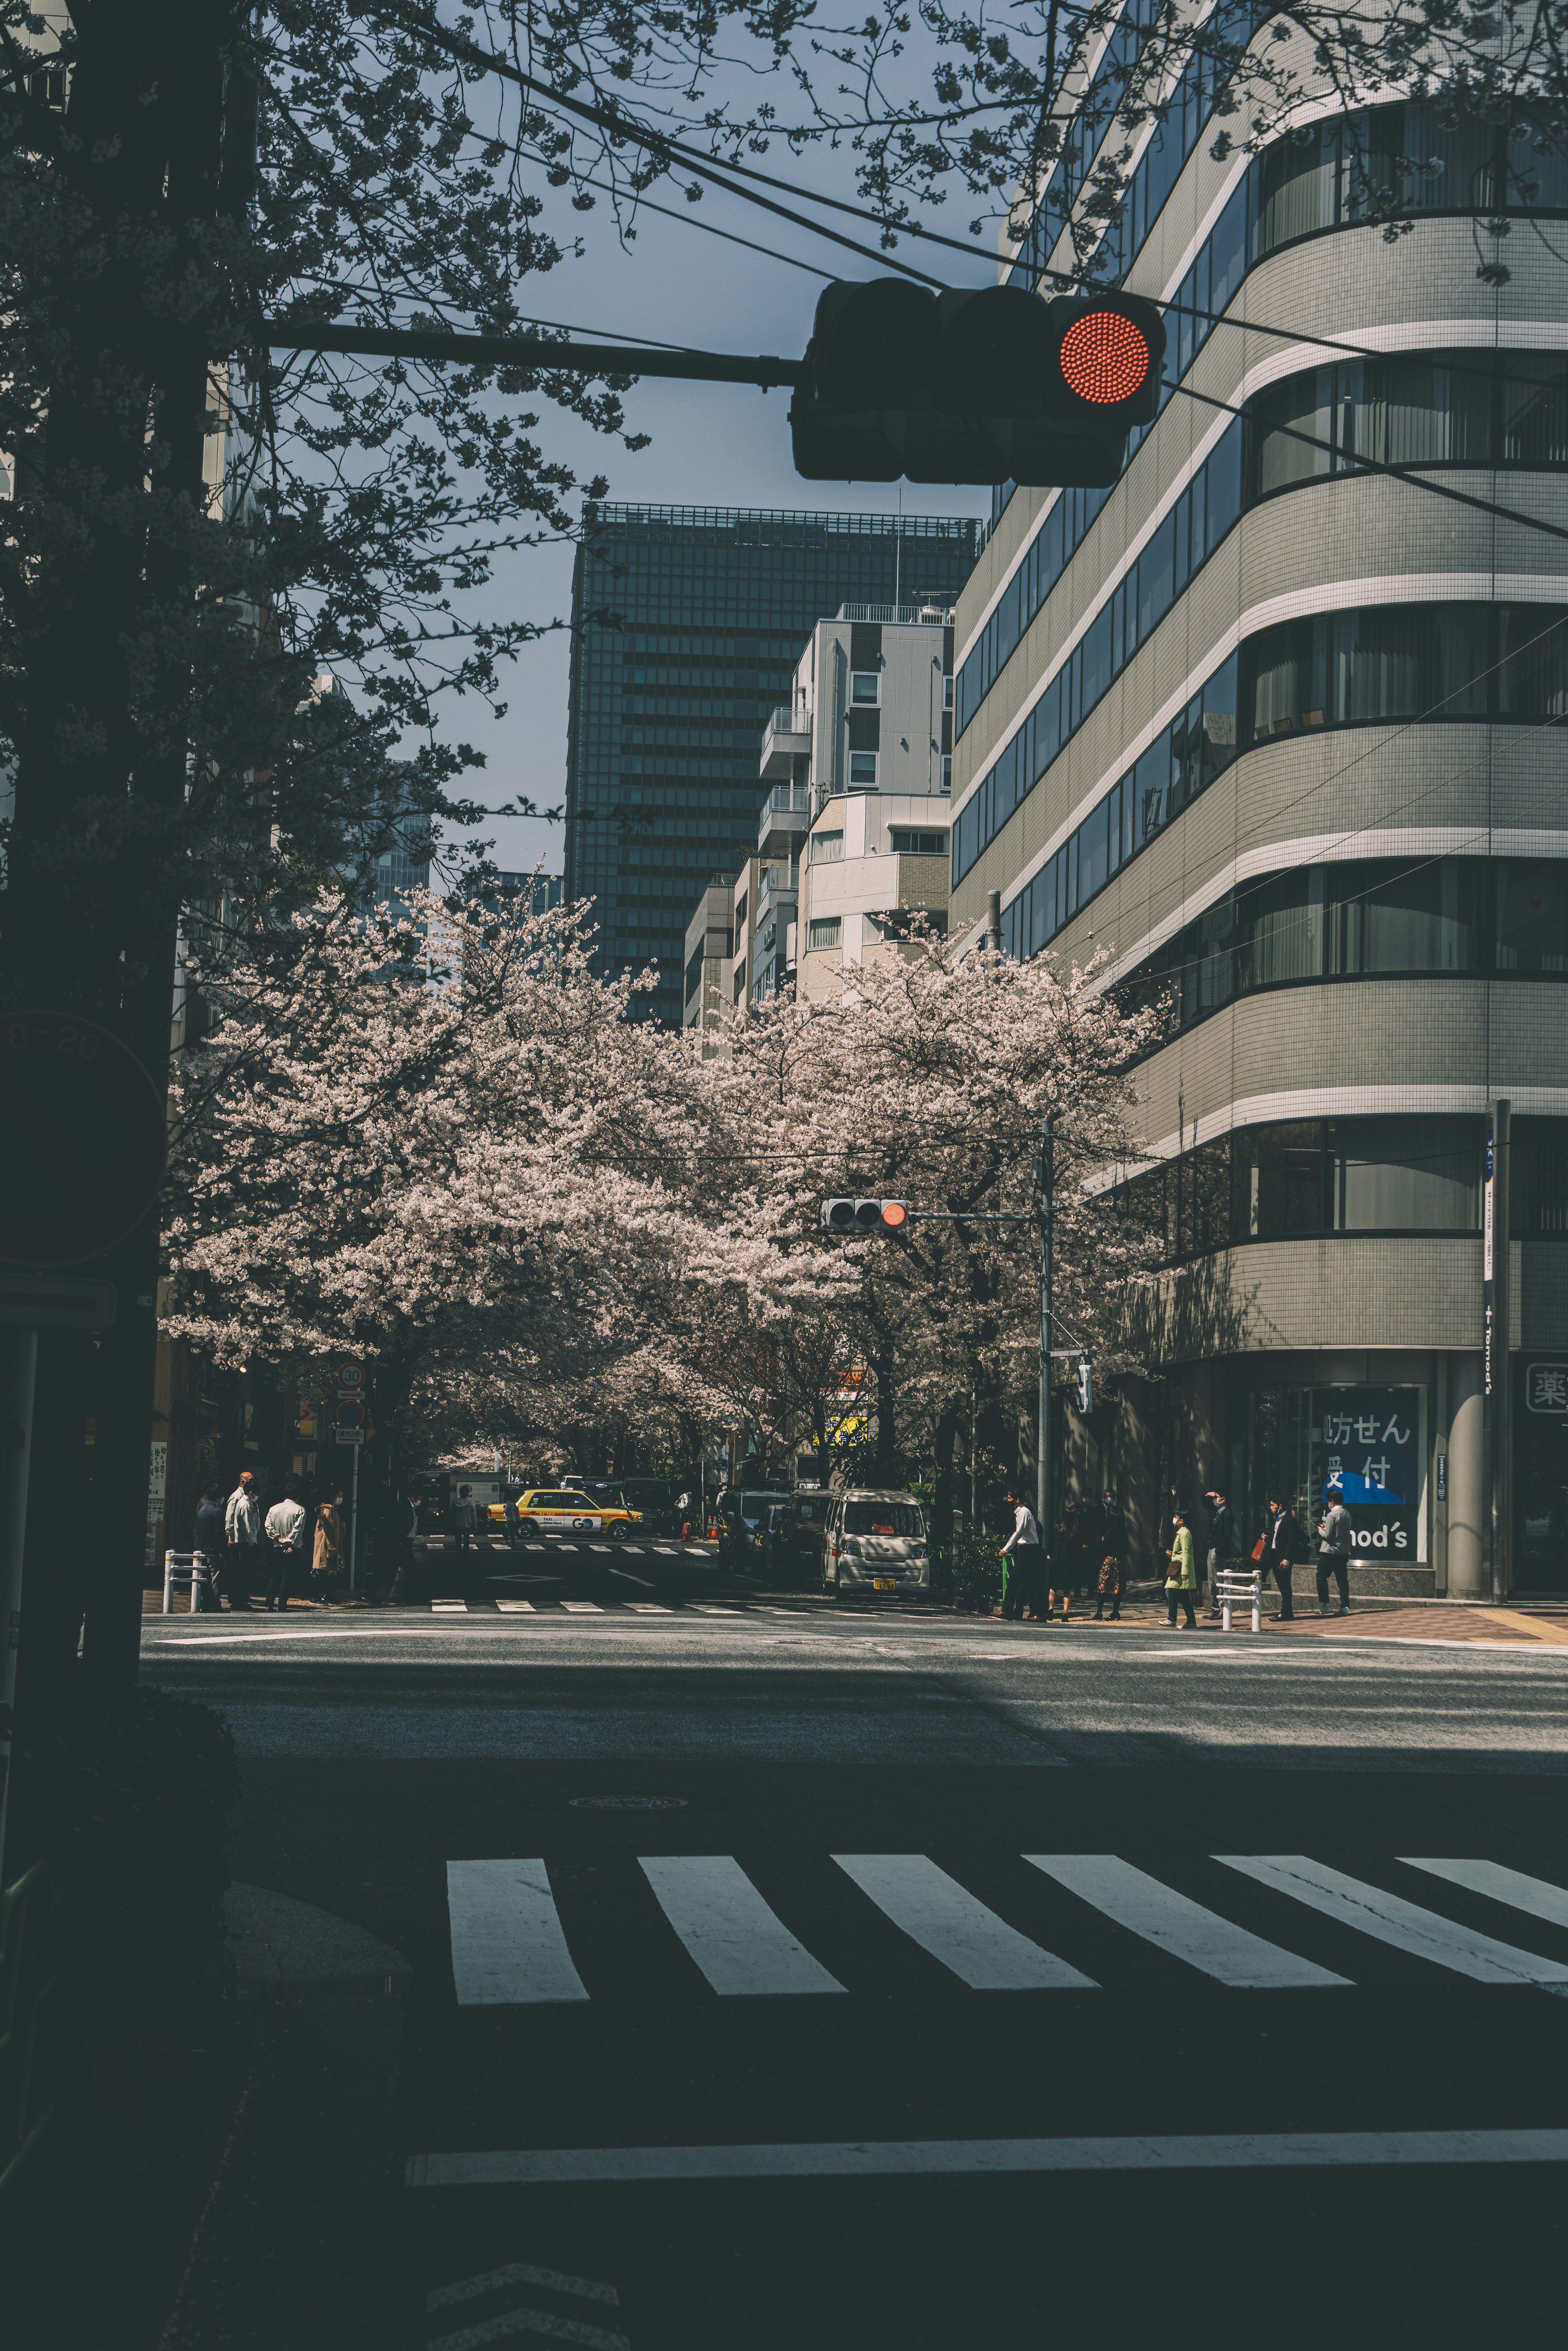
443,2297
560,1546
728,1928
1274,2151
668,1551
946,1920
524,2321
583,1607
1390,1920
516,1607
507,1947
1172,1923
695,1551
647,1608
536,1546
1535,1894
438,1605
600,1546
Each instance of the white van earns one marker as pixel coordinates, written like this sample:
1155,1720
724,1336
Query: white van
875,1542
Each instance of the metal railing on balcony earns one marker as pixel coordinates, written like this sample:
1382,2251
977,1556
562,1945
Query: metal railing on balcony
788,799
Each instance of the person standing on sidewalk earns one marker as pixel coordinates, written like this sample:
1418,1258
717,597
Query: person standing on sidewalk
1281,1544
1221,1544
1020,1563
1181,1581
241,1542
327,1557
1108,1540
1334,1540
286,1536
463,1518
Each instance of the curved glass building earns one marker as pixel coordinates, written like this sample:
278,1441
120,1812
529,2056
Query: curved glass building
1284,738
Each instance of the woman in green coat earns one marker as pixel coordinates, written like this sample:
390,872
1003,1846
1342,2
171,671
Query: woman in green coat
1181,1581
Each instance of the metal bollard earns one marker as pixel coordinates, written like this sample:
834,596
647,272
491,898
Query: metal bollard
168,1583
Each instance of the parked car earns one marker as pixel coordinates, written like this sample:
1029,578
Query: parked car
748,1530
874,1540
567,1511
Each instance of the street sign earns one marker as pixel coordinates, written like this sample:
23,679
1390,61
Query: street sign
349,1413
57,1301
348,1436
84,1138
350,1375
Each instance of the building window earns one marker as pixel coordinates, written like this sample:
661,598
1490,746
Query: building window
948,693
827,848
827,931
947,772
862,771
740,915
865,687
904,843
1426,661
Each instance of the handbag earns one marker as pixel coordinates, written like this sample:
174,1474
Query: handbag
1261,1546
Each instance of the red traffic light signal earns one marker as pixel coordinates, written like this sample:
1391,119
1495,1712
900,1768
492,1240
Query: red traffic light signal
974,387
864,1216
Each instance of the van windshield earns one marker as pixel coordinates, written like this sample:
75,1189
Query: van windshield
754,1507
902,1518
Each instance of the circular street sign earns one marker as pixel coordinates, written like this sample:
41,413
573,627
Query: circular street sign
86,1132
350,1413
350,1375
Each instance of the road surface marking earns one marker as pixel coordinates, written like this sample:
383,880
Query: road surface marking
728,1929
560,1546
1172,1923
516,1607
600,1546
935,1911
668,1551
1534,1895
436,1606
443,2297
507,1947
1276,2150
1390,1920
695,1551
647,1608
525,2321
583,1607
536,1546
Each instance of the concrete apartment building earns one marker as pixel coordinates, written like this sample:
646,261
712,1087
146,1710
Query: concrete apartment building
669,699
1284,738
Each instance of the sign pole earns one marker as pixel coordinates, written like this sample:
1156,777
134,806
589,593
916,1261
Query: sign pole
1045,1175
18,1376
353,1517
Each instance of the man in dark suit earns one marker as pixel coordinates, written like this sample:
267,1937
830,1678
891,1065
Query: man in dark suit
1105,1535
1283,1543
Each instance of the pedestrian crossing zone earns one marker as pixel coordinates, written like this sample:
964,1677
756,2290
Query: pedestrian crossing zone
527,1930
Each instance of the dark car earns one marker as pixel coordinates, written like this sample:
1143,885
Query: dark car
754,1529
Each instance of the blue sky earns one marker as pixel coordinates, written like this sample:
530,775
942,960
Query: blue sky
713,444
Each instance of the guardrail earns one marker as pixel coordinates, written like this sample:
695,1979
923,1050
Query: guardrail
1233,1586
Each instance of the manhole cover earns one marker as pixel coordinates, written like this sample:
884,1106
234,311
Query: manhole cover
628,1803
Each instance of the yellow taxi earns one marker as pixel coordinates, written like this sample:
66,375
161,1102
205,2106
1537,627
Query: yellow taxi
567,1510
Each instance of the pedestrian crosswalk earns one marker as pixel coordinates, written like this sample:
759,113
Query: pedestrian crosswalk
1050,1922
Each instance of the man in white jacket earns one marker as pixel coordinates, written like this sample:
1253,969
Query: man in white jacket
241,1542
286,1539
1021,1573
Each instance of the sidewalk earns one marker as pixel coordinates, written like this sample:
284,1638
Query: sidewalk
1431,1622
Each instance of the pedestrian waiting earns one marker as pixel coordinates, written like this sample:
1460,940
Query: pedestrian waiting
1280,1545
1109,1539
327,1556
241,1542
1020,1564
1334,1540
285,1541
1222,1544
210,1541
1181,1581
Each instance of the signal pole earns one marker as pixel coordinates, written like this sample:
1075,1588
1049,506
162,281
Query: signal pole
1044,1177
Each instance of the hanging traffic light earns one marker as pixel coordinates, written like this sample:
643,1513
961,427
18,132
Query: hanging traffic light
1085,1383
864,1216
988,386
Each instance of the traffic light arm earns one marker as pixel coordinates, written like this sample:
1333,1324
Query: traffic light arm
535,352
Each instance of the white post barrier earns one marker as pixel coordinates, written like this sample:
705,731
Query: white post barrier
1233,1585
187,1567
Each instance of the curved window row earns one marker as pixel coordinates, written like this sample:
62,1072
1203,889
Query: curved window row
1372,918
1382,662
1414,408
1201,517
1381,163
1301,1178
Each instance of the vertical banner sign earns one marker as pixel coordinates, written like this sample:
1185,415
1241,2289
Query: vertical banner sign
1488,1302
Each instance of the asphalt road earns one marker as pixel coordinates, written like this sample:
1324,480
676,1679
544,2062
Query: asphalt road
785,1974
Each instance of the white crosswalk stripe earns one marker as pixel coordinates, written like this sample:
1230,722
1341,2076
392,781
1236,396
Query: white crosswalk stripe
583,1607
1171,1922
735,1939
1387,1918
450,1606
946,1920
508,1947
516,1607
647,1608
1535,1894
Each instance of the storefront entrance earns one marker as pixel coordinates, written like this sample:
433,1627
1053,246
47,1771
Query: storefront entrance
1541,1475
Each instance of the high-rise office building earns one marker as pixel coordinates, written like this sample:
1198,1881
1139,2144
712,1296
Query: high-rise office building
713,606
1283,736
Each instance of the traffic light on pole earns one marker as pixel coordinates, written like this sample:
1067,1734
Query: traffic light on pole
864,1216
988,386
1085,1383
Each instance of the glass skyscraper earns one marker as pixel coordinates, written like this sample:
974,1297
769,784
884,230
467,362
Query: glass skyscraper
687,622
